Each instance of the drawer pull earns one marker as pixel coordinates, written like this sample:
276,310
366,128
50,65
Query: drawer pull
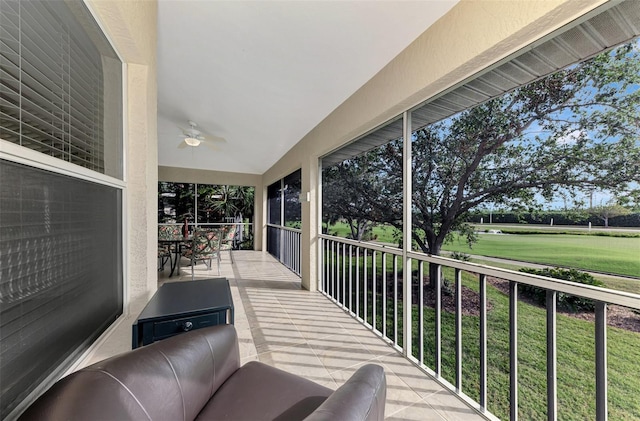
187,326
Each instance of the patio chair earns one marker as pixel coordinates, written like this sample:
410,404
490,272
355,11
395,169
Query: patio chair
165,251
205,246
229,234
164,256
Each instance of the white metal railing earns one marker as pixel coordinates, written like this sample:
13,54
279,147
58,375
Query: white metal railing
284,244
349,277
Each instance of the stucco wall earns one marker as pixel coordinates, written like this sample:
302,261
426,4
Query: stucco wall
471,37
190,175
132,27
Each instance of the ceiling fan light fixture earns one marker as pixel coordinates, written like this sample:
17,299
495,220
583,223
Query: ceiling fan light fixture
191,141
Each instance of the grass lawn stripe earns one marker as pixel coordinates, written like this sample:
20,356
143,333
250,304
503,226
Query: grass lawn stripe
602,254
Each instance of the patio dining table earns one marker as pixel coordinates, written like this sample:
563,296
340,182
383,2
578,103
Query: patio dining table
175,246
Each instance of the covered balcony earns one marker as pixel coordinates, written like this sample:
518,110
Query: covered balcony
268,96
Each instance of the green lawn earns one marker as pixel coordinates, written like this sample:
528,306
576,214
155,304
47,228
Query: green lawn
597,252
617,255
382,233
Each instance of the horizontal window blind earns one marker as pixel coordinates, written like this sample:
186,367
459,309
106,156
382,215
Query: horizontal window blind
60,84
60,272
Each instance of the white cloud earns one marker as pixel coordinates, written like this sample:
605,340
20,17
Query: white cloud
571,138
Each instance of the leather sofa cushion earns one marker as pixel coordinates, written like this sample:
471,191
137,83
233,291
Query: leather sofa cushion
261,392
169,380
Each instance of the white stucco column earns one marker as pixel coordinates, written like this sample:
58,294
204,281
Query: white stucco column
142,185
309,244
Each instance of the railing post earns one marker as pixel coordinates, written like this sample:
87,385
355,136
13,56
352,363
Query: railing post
365,293
438,327
483,342
384,295
333,270
601,361
458,331
421,312
357,281
350,278
344,276
552,361
406,232
513,351
323,261
374,285
395,299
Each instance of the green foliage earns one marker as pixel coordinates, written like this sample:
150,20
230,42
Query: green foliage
215,202
458,255
564,301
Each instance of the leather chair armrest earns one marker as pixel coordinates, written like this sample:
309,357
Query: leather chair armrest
361,398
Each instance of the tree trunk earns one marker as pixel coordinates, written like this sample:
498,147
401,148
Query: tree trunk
433,268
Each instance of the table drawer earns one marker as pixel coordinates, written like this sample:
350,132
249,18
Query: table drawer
166,328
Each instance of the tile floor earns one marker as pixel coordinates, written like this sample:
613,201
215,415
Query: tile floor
302,332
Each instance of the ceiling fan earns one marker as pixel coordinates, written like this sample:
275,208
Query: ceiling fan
193,137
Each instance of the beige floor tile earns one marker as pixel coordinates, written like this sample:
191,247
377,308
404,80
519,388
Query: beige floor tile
420,411
247,348
299,360
314,332
451,408
273,337
420,382
337,352
373,343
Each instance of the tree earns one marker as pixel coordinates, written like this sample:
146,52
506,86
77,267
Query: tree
608,211
571,131
353,191
222,201
574,129
177,198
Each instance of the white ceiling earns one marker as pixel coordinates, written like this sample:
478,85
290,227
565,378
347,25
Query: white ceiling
262,74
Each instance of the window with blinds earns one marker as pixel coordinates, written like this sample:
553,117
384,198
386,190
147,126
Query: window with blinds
61,253
60,84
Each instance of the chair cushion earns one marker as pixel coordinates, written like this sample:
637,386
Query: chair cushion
257,391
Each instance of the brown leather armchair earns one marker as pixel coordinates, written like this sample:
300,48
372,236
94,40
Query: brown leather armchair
197,375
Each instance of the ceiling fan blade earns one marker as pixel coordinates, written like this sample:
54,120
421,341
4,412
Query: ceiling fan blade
210,145
217,139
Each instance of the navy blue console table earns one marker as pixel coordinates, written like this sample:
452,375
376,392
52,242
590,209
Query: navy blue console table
179,307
